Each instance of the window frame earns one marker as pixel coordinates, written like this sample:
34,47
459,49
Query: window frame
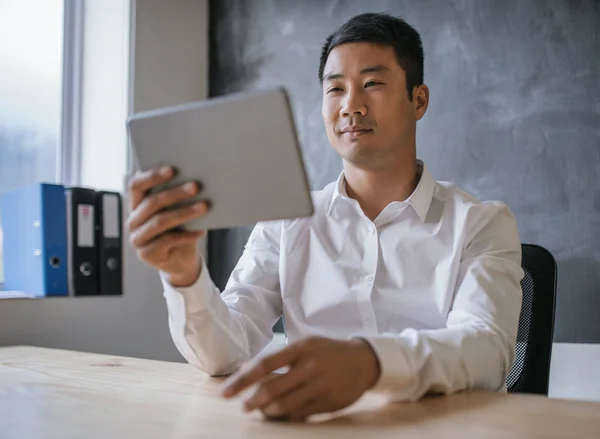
68,166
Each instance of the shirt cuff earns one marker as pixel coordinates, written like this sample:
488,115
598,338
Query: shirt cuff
396,373
195,297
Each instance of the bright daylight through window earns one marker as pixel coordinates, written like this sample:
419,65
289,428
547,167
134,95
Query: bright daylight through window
31,41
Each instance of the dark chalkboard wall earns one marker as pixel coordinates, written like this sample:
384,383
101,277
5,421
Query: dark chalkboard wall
514,113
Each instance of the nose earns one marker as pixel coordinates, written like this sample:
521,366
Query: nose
354,104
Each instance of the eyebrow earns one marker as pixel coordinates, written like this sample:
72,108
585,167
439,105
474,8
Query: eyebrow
370,69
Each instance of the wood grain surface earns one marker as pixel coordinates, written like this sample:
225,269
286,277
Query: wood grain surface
49,393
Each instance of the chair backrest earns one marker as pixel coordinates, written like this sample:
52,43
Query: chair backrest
530,371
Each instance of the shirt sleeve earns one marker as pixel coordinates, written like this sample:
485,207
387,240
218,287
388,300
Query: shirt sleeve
476,348
219,332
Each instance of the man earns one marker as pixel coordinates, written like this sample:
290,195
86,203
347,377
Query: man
398,284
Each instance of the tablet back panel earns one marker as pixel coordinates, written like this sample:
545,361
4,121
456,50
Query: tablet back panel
242,148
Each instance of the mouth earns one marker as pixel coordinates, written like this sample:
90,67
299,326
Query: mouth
354,132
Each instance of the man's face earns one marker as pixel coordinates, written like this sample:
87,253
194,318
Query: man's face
368,115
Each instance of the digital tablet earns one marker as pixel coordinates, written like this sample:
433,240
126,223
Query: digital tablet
243,148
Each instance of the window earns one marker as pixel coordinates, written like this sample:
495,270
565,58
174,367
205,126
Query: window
64,85
31,49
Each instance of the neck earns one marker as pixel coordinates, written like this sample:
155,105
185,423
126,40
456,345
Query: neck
375,189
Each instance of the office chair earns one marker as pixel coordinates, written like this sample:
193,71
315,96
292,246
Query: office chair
530,371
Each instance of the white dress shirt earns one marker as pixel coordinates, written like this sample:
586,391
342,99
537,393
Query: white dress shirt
433,284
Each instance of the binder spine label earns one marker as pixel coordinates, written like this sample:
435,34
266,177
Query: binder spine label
85,222
111,216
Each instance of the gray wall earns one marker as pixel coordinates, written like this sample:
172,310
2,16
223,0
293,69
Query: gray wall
514,113
170,49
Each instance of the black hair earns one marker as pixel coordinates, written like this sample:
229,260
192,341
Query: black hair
384,29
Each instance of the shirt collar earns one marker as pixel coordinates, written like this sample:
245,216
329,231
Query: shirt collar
420,199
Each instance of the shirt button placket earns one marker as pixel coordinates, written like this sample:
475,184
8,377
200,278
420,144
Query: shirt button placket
370,267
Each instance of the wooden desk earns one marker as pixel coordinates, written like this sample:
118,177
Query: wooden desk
47,393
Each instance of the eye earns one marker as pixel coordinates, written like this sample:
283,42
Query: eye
372,83
334,89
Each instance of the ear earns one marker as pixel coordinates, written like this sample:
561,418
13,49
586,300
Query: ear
420,100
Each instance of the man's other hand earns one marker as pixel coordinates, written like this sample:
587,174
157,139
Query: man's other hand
324,375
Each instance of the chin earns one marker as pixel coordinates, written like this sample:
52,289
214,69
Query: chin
358,146
360,154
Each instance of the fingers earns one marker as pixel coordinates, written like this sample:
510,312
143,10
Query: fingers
141,182
278,386
246,378
169,240
165,221
314,406
152,204
295,403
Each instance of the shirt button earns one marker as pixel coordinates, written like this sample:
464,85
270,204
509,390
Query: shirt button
369,278
373,230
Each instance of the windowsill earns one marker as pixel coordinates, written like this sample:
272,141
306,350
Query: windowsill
15,295
23,295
